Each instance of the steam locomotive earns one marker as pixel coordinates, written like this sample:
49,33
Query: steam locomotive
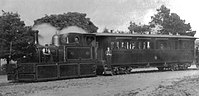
70,55
74,55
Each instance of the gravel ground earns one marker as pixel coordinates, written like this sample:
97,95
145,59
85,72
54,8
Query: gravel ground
188,86
149,83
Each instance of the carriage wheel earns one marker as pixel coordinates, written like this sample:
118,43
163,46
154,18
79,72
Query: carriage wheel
115,70
197,66
160,68
174,67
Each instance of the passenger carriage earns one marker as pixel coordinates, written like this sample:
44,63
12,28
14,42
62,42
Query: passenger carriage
142,50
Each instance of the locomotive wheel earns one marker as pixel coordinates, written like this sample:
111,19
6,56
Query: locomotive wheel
128,70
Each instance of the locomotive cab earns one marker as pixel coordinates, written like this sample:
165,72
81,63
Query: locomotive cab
78,38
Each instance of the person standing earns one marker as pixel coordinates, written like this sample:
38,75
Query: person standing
46,53
108,55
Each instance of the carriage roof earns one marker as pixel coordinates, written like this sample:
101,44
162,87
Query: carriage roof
142,35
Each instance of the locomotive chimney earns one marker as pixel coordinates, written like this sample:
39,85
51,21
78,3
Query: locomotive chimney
36,37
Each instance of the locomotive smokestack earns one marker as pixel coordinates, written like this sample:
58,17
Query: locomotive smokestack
36,37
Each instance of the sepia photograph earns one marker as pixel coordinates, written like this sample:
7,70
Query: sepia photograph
99,48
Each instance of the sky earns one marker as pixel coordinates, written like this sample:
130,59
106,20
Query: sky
111,14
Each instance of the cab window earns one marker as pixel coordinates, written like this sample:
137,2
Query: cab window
90,41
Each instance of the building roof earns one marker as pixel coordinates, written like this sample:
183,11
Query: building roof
143,35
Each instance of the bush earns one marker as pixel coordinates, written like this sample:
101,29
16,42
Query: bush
3,69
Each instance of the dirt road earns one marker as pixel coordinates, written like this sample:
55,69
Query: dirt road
148,83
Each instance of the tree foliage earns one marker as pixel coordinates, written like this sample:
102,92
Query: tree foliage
16,38
141,29
105,30
70,19
170,22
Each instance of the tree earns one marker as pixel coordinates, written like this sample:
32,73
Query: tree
142,29
70,19
132,27
16,38
105,30
170,22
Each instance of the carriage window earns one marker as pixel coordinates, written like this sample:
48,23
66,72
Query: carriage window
117,45
139,45
127,45
122,44
148,45
112,45
176,44
185,44
173,44
144,45
133,45
162,44
130,45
